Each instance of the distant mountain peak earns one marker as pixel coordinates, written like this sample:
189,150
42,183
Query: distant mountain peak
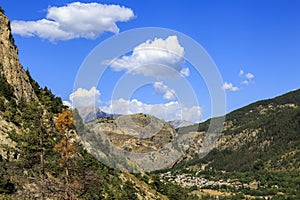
177,123
92,113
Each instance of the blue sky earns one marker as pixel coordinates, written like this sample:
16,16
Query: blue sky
259,37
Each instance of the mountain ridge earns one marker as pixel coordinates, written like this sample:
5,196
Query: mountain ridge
253,131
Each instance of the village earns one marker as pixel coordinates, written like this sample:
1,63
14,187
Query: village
188,180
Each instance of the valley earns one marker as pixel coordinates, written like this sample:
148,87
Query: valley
51,151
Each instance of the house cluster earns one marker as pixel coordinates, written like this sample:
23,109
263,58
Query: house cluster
188,180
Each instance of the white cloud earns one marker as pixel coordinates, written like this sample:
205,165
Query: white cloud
85,98
245,82
164,90
241,72
168,111
75,20
229,87
158,58
249,76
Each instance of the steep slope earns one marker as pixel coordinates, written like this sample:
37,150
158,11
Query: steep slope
15,84
18,90
257,155
137,133
264,135
11,67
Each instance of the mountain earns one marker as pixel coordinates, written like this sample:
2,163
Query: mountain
256,156
91,113
257,153
180,123
18,90
13,79
137,132
11,68
262,135
41,155
130,140
15,84
39,160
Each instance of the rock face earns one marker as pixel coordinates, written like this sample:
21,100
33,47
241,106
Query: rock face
6,127
11,67
137,133
137,142
12,71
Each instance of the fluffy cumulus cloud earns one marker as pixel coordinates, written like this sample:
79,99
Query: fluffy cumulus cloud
229,87
164,90
85,98
75,20
158,58
168,111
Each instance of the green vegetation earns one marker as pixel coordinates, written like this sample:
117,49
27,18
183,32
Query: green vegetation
37,161
6,92
262,144
247,114
172,191
274,146
277,145
259,156
47,156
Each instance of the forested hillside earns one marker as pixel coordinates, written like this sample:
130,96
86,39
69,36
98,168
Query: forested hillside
259,143
263,135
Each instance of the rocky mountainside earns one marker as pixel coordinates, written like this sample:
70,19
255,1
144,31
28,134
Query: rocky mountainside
137,133
15,84
264,135
10,64
18,90
134,142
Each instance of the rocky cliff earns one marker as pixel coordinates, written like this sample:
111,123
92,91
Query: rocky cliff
137,133
11,67
14,79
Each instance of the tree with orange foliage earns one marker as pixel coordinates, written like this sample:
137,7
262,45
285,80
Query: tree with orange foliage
65,121
65,125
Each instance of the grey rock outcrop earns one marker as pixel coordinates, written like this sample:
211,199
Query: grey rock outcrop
11,67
